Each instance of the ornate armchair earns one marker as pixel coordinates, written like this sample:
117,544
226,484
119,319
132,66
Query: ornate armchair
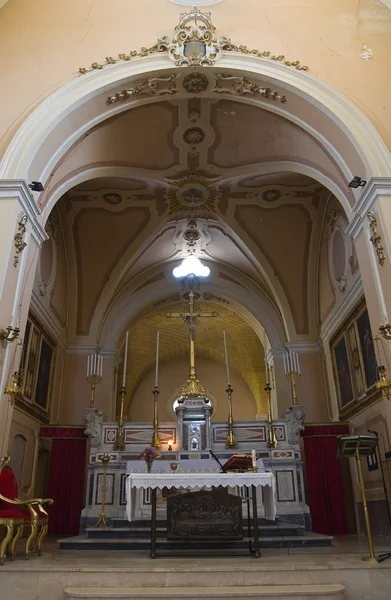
17,513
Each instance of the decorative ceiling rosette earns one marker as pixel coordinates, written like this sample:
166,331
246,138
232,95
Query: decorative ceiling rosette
192,194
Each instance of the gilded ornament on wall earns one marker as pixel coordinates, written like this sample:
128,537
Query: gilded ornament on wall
194,43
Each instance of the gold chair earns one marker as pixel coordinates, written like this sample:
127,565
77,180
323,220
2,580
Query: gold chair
17,513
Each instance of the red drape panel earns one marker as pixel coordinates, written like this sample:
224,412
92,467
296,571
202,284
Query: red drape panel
324,476
66,479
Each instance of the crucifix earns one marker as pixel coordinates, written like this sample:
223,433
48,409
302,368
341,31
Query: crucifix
193,387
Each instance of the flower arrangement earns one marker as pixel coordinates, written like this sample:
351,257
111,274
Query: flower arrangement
150,454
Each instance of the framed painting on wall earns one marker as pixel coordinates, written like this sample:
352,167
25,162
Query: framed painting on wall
36,368
342,370
367,348
354,363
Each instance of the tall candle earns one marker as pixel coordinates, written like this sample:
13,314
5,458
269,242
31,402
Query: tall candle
157,359
265,356
254,458
88,365
126,358
297,363
226,357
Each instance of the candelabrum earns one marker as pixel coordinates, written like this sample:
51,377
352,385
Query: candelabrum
94,374
156,442
105,458
271,438
9,334
119,443
231,442
292,371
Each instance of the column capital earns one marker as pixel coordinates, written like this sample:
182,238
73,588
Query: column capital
18,189
376,186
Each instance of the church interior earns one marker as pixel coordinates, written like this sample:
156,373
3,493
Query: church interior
195,295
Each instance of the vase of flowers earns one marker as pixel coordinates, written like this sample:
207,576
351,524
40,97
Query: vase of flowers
150,454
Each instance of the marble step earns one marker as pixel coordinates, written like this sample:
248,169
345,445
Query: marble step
83,542
288,592
283,529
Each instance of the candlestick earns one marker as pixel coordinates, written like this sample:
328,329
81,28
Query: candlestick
271,438
119,443
226,358
102,517
156,442
231,442
265,356
125,359
157,359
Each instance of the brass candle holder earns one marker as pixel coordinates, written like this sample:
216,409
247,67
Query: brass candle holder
93,380
14,388
156,442
105,458
231,443
294,379
119,443
271,438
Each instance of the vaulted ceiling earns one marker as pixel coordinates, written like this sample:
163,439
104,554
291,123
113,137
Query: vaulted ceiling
240,170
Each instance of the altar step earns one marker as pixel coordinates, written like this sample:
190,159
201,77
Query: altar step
261,592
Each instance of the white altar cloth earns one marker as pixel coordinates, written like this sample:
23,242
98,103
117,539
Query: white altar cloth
198,481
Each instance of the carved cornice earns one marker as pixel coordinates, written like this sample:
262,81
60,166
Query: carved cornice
194,43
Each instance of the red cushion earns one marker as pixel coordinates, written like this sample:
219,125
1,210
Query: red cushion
8,486
11,513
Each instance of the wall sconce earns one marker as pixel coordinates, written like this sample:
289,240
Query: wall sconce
385,330
9,334
169,445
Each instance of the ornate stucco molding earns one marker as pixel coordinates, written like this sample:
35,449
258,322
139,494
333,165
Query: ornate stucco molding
194,43
376,239
197,83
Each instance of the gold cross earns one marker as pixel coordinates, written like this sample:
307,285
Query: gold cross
193,387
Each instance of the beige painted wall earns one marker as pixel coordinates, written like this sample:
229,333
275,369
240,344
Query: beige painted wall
173,374
63,36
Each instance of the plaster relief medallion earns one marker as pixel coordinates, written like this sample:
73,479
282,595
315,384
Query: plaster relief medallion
271,195
112,198
195,83
194,135
194,115
191,194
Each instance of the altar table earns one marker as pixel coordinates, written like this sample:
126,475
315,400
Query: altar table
199,481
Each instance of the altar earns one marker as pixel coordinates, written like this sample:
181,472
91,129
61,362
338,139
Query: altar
284,462
251,482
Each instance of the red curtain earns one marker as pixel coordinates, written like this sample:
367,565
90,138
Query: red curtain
66,478
324,476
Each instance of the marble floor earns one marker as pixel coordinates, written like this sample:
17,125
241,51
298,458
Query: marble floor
48,576
345,549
